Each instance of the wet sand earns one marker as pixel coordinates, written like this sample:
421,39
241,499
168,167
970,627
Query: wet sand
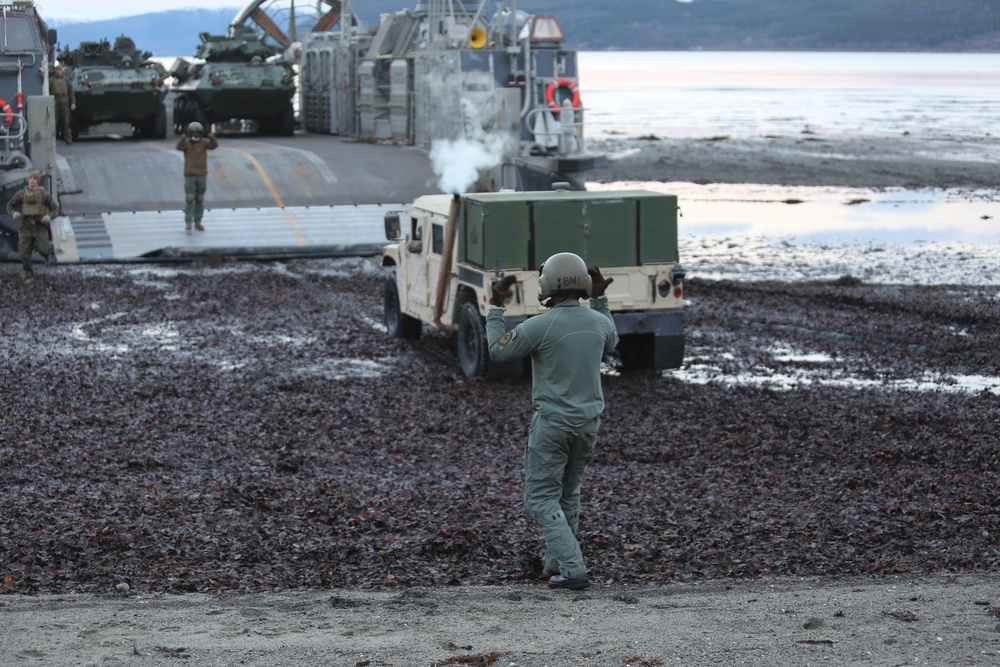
856,161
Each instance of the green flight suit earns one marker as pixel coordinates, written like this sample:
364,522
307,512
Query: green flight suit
566,345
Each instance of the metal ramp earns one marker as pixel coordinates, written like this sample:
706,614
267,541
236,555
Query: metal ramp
263,233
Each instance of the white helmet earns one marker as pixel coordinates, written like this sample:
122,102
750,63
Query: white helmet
195,128
563,272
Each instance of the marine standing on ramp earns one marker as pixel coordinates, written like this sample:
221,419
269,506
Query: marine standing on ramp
33,206
566,345
195,147
61,88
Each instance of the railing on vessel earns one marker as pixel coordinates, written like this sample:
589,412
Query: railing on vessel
12,140
553,131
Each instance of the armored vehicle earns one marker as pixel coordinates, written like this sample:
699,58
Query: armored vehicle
27,112
235,77
440,273
116,85
448,74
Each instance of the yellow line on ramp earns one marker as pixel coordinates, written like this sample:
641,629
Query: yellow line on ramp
274,193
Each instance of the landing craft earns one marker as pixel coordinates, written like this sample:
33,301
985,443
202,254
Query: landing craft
27,112
499,89
446,97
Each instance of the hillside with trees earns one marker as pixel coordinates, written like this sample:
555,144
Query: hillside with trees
760,25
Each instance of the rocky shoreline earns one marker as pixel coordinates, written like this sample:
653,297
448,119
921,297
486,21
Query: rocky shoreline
232,462
855,161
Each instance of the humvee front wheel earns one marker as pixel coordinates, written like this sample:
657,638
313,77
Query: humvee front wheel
397,323
473,351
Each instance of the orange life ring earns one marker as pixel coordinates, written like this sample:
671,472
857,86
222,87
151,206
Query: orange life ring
550,94
5,109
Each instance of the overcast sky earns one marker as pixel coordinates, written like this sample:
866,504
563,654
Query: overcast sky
109,9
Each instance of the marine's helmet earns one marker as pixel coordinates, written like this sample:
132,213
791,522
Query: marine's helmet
195,128
565,273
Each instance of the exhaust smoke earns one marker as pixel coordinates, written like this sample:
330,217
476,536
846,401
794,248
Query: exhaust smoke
457,162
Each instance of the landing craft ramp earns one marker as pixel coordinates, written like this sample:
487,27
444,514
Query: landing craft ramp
306,195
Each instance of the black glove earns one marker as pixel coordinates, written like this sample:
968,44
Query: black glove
501,290
599,284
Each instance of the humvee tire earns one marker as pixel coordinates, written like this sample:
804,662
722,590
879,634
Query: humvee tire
473,350
397,323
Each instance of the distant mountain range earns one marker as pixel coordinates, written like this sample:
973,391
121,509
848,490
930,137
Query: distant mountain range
848,25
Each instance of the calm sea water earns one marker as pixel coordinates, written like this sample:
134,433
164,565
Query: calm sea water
952,238
739,94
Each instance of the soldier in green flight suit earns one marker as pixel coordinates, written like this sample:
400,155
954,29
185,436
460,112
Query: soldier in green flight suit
566,345
34,207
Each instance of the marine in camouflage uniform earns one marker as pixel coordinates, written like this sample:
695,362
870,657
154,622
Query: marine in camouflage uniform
61,88
33,206
195,147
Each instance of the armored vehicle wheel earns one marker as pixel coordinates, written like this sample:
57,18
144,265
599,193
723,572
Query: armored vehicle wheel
286,122
181,113
187,110
75,125
397,323
473,351
158,129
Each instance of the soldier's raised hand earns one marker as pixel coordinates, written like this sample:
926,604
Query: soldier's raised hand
599,284
501,290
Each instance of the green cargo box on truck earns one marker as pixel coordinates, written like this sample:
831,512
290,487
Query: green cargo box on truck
454,246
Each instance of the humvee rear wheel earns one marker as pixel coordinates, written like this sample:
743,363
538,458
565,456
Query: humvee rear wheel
473,351
397,323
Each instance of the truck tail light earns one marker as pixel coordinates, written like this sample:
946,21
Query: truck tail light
677,278
674,284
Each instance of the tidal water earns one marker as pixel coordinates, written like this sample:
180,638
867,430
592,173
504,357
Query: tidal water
751,232
745,94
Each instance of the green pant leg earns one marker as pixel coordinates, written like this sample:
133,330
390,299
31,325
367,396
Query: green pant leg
201,185
554,463
33,236
581,453
25,242
194,197
62,118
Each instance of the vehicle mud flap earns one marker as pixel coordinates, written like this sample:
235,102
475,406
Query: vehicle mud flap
651,339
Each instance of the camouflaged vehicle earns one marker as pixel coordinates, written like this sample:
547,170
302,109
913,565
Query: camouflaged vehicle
116,84
235,77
